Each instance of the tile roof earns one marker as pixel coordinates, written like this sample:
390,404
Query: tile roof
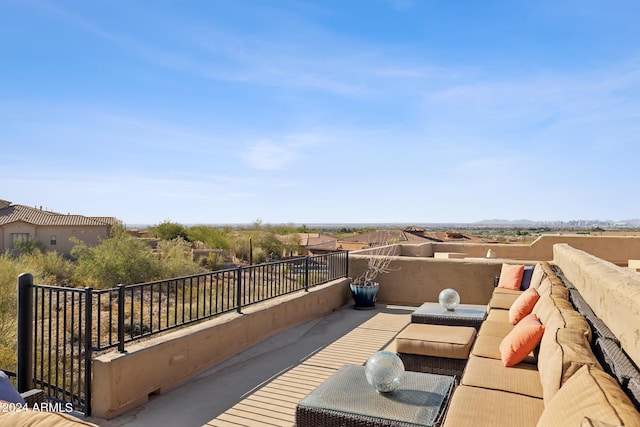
380,237
35,216
318,241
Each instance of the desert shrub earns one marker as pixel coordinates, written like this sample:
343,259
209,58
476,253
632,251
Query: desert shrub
168,230
212,237
291,245
51,267
9,271
31,246
212,262
176,258
260,240
120,259
241,246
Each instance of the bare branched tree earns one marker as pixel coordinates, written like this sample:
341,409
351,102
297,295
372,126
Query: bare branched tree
378,262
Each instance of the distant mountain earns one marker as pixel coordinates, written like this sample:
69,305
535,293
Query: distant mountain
580,223
630,222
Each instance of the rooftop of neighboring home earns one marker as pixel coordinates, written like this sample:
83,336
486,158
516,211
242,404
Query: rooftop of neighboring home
10,213
410,235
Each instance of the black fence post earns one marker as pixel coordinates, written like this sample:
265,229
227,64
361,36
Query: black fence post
121,288
346,269
88,345
25,332
306,274
239,290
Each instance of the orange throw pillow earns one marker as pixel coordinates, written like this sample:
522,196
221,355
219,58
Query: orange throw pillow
523,305
521,341
511,276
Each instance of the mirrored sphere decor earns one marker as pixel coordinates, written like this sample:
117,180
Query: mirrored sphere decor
449,299
384,371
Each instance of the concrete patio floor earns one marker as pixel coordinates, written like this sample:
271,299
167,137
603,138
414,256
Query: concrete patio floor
262,385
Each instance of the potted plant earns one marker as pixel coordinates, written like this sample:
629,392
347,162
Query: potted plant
364,288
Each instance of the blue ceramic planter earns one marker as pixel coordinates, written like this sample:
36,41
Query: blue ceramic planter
365,296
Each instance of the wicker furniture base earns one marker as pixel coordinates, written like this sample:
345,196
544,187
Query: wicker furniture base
33,396
433,365
314,417
464,315
346,399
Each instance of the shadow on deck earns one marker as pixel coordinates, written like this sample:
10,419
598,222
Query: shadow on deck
261,386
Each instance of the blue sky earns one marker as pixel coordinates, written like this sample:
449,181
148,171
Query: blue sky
324,111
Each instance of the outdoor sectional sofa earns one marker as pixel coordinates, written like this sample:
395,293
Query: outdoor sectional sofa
577,373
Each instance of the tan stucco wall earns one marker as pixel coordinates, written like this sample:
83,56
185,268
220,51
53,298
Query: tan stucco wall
122,381
420,277
613,293
414,280
91,235
616,249
14,228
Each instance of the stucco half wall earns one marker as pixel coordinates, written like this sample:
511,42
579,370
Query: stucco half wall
122,381
612,292
414,280
616,249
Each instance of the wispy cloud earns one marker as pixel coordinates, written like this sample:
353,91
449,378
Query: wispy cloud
268,156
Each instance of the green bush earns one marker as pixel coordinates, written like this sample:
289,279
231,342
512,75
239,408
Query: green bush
51,267
212,262
168,230
9,271
177,259
212,237
120,259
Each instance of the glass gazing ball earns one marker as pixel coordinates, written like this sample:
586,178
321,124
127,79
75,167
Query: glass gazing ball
449,299
384,371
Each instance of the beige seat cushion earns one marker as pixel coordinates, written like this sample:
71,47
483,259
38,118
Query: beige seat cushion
502,301
563,352
591,393
40,419
548,304
575,320
588,422
495,329
522,378
498,315
555,312
488,346
553,285
545,286
537,276
473,407
453,342
506,291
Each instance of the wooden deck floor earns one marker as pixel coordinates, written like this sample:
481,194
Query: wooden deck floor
274,402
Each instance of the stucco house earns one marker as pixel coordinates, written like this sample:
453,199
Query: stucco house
19,223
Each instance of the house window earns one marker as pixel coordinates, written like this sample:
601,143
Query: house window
53,240
19,238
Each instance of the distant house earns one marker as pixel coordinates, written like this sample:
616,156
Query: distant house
19,223
411,234
383,237
318,244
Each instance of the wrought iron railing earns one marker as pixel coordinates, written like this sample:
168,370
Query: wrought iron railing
60,328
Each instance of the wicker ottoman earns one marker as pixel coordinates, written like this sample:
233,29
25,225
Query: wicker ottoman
435,349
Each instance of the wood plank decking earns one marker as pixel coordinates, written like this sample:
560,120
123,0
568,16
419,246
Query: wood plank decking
274,402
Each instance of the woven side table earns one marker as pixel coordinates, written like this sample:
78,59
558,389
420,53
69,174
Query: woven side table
346,399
